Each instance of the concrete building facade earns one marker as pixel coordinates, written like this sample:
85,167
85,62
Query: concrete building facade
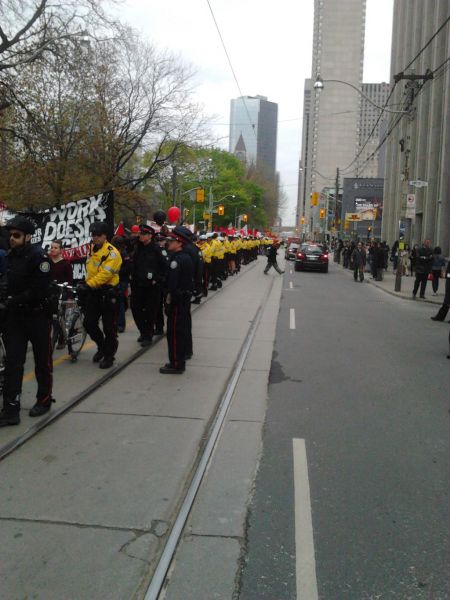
370,126
418,146
253,132
303,207
333,140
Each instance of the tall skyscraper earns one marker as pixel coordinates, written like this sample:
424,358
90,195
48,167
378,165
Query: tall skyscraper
370,125
253,132
417,183
333,140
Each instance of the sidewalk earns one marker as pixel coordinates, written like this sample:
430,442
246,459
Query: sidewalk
86,505
388,285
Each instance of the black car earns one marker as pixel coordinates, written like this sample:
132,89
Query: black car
313,257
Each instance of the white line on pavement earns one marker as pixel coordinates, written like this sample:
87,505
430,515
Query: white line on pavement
292,318
291,271
304,540
290,285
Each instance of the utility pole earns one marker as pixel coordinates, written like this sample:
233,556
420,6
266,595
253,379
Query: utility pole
336,200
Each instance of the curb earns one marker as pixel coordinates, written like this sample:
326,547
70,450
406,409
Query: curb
397,294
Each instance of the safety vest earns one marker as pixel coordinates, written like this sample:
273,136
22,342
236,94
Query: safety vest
103,266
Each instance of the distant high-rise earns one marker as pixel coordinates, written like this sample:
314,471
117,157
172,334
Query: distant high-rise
253,132
370,124
333,140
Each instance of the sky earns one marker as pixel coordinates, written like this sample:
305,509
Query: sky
270,47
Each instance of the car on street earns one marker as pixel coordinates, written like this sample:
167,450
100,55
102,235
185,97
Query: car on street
312,257
291,251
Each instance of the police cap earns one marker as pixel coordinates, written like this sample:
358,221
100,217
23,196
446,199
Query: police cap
146,229
21,224
98,228
183,232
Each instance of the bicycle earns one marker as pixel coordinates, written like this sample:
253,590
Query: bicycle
67,325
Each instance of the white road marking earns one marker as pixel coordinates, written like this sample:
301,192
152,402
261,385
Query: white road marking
292,318
291,285
304,540
291,271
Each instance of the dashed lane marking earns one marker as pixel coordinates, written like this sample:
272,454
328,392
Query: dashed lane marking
304,541
291,285
292,318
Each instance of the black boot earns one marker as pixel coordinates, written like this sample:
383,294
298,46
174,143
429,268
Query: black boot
40,408
169,369
98,356
106,362
9,418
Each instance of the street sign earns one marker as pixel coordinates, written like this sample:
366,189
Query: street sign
418,183
352,217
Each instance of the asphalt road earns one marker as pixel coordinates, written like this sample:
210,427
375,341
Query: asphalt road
364,380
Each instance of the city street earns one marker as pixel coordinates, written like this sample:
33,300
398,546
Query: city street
363,380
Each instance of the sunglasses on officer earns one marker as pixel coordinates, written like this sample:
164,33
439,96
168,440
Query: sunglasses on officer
17,235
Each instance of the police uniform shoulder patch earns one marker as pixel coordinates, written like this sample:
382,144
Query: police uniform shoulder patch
44,266
173,264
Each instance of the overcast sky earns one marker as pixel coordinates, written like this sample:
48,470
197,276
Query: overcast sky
269,43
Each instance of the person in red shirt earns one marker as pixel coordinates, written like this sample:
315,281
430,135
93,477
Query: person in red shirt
60,269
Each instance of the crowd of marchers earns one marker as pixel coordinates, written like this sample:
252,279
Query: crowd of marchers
424,263
155,269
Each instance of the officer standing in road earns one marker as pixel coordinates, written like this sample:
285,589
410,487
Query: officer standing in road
180,285
100,295
150,263
28,318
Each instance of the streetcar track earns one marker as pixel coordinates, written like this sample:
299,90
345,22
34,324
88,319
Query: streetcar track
201,463
17,442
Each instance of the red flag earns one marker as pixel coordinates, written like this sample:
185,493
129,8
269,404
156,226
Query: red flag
120,229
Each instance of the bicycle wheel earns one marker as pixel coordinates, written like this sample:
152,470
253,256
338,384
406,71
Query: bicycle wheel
2,362
76,335
57,333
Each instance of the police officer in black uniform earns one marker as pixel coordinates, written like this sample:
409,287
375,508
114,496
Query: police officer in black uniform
28,318
179,285
197,262
150,264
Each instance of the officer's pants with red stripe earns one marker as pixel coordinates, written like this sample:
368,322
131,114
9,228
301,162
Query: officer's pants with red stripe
178,332
21,327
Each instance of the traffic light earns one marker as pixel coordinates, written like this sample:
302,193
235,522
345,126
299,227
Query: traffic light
302,220
322,213
221,210
245,218
369,230
200,195
186,212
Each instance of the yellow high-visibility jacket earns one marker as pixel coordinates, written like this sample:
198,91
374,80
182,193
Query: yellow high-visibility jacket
206,251
103,266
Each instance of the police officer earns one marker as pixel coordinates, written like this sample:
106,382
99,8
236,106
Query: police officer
100,294
180,285
28,318
150,263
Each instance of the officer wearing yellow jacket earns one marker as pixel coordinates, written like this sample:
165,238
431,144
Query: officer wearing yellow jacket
101,296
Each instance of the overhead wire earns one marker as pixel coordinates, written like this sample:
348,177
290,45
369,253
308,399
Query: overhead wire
436,33
389,132
231,66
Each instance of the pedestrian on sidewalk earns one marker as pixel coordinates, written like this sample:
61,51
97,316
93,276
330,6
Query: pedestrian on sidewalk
404,257
413,258
180,286
359,262
378,261
27,318
150,264
424,262
272,259
124,280
437,268
395,255
442,312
